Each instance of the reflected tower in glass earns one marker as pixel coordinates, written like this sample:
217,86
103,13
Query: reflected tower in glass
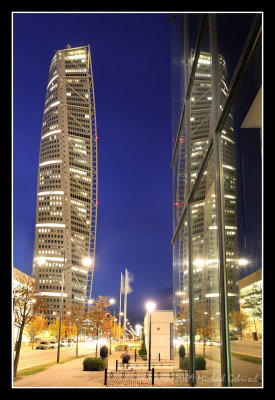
205,240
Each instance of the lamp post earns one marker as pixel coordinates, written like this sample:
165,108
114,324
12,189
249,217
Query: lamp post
86,262
150,306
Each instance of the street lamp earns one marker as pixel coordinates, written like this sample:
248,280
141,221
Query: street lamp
150,306
87,262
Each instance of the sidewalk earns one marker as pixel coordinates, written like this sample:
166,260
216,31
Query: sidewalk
69,374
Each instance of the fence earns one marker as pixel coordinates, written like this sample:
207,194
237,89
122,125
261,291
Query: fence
145,378
145,363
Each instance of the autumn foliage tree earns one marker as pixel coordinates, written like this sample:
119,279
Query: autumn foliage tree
53,329
96,317
26,305
109,329
36,326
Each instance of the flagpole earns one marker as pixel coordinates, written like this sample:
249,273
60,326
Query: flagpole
119,323
125,304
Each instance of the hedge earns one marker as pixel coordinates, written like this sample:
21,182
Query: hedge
93,364
200,363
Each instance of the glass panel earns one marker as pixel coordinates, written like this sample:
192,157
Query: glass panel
177,77
181,293
200,105
242,186
231,41
206,279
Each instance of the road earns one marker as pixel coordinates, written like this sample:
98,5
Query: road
247,347
29,357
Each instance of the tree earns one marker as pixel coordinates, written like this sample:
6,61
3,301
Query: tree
202,322
252,302
109,329
142,351
96,316
239,319
77,318
26,305
36,326
53,329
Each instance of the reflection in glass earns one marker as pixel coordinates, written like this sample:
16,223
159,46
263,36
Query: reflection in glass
205,278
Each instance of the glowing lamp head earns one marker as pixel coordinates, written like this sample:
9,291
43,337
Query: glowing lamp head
242,262
150,306
87,262
40,261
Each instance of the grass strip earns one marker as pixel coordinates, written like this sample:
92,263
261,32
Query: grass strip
247,357
42,367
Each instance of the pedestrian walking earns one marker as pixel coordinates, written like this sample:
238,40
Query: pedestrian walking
125,359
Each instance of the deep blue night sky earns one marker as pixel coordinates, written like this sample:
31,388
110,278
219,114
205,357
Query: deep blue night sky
131,66
131,57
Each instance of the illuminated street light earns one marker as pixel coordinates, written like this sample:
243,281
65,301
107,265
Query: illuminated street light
150,306
87,262
40,261
242,262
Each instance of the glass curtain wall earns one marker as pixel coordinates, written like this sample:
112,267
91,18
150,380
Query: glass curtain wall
210,73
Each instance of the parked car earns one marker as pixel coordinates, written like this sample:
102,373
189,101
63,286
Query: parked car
209,343
233,337
63,343
43,345
70,342
53,345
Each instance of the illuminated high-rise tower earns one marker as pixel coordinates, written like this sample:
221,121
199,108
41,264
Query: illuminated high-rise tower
203,221
66,209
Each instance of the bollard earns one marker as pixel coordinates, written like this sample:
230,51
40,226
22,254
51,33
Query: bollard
116,364
135,354
105,377
153,376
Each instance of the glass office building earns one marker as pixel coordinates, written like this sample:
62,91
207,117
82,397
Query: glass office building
66,210
211,242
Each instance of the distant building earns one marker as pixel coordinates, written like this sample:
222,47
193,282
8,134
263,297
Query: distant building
245,286
66,208
161,334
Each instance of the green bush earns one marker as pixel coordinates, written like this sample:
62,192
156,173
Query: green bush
200,363
142,351
93,364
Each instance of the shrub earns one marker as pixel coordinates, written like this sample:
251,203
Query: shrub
200,363
142,351
93,364
182,351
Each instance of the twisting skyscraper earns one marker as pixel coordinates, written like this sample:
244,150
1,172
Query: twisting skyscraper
66,210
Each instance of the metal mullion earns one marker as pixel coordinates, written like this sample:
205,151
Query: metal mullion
197,54
224,323
194,187
178,137
203,166
190,83
192,371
